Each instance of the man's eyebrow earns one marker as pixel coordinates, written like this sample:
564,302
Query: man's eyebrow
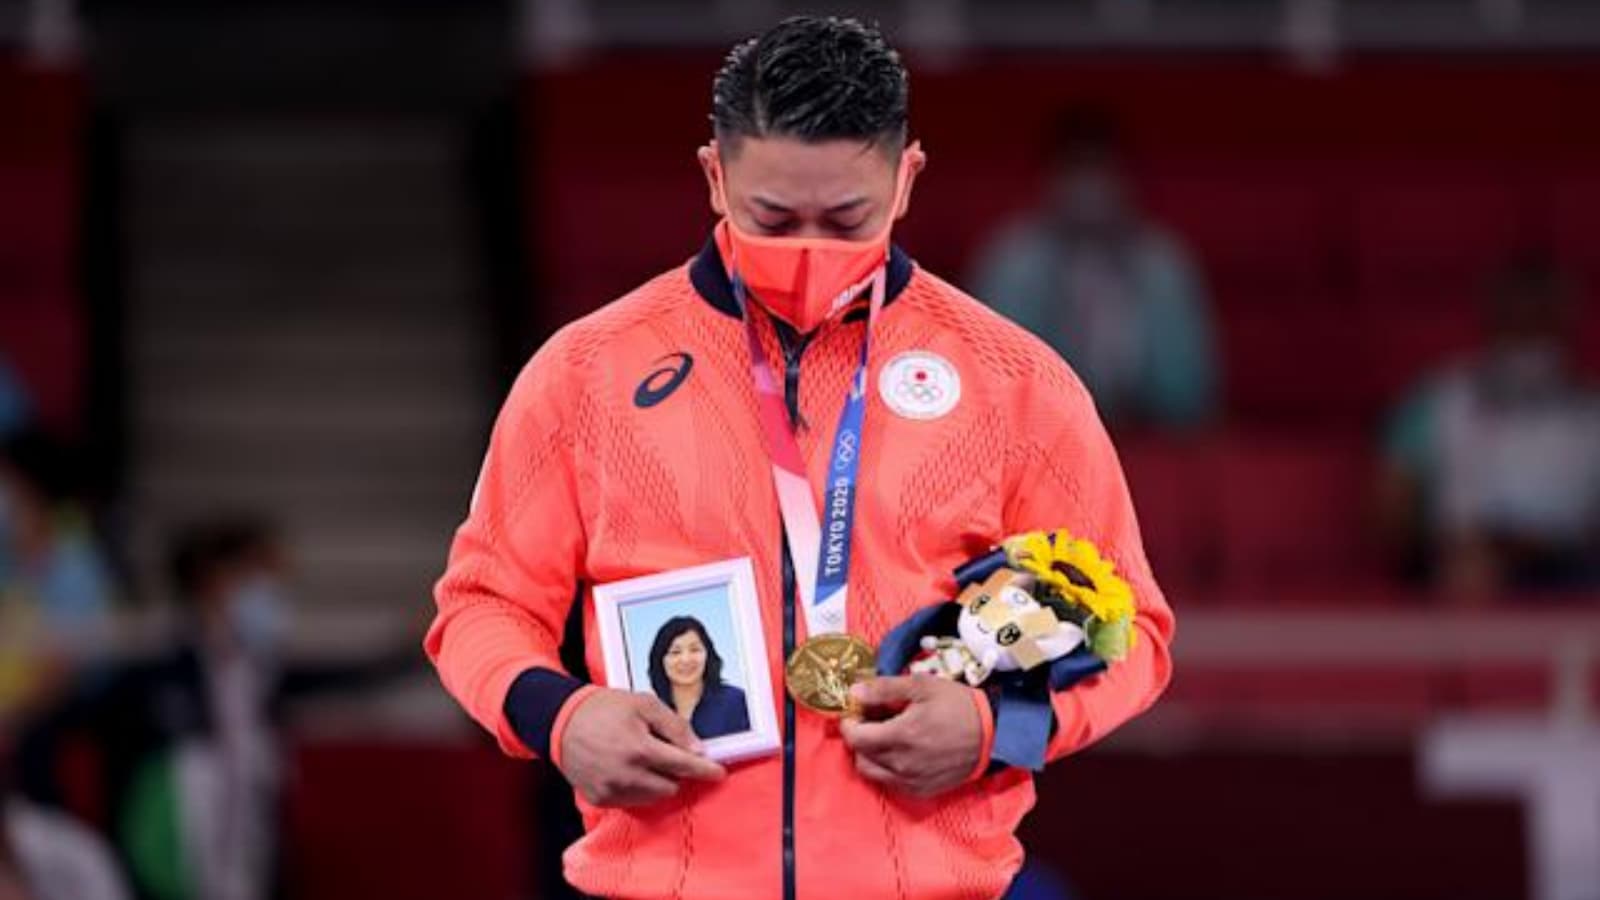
774,206
770,205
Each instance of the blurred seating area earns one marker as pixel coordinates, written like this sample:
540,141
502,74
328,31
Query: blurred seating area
1346,226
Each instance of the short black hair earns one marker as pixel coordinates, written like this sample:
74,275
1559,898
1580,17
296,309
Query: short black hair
671,630
201,549
815,79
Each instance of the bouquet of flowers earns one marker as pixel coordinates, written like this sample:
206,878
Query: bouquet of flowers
1031,601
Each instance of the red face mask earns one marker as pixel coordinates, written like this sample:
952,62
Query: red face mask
805,280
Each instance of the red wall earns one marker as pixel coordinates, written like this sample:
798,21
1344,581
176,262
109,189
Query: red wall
1263,826
41,329
423,822
403,821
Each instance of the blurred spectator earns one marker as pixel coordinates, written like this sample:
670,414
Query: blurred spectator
188,743
55,586
15,406
1114,293
56,857
10,873
1492,466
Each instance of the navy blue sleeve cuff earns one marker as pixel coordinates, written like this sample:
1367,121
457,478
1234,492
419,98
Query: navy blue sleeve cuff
534,701
1000,765
995,765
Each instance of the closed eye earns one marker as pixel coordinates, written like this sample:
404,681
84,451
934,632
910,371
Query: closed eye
771,217
775,228
841,220
844,219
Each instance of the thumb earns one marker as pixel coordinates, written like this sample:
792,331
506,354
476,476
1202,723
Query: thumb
895,690
668,725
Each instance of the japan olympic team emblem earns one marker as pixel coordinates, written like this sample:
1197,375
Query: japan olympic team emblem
918,384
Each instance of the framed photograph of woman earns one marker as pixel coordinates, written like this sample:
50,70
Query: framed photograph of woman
693,638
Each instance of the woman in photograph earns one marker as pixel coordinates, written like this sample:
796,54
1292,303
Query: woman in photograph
686,673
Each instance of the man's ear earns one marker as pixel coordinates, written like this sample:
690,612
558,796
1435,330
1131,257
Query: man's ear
711,165
915,161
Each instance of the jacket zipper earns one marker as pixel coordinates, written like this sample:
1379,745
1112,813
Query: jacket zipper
793,346
788,731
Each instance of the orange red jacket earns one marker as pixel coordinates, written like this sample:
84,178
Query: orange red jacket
602,468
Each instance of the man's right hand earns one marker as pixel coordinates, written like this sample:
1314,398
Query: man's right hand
626,749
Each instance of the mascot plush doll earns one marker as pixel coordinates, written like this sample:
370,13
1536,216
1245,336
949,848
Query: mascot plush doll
1037,614
1002,626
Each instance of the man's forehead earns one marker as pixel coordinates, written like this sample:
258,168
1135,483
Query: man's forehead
790,171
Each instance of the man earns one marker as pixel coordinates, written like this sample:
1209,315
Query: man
189,743
56,588
189,760
48,553
1111,291
672,428
1492,477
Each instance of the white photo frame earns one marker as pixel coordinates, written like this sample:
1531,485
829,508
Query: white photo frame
641,624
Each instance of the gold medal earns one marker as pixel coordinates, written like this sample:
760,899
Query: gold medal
821,670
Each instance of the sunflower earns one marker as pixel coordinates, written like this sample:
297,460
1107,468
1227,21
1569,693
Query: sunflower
1033,553
1075,571
1101,590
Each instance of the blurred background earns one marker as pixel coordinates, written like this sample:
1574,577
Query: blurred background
1329,266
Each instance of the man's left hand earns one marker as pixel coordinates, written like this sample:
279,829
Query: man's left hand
921,735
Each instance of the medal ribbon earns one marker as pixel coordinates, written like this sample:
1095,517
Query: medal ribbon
813,546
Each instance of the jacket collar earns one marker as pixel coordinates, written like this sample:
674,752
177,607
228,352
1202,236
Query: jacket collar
710,277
